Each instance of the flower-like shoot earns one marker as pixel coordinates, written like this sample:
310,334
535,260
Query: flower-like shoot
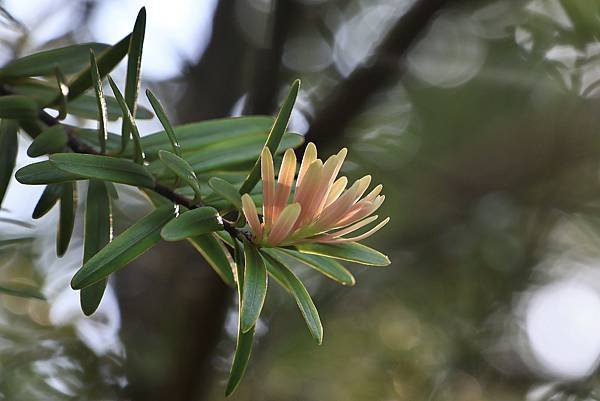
322,209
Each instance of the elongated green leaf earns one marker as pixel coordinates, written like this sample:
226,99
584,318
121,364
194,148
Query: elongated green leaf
21,291
107,60
277,131
69,60
324,265
103,168
255,287
138,153
67,218
192,223
134,64
217,257
42,173
18,107
181,169
52,140
63,92
350,251
8,153
243,346
97,232
134,241
100,102
47,201
164,120
227,191
303,299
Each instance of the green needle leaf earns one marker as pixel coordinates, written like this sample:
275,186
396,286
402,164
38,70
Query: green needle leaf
227,191
47,201
181,169
277,131
8,153
42,173
101,103
52,140
192,223
138,155
350,251
103,168
164,120
303,299
18,107
63,92
67,218
130,244
255,287
97,232
216,255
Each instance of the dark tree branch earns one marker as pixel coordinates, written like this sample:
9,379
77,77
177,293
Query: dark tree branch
350,96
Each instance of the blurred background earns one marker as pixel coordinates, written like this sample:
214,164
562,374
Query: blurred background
480,117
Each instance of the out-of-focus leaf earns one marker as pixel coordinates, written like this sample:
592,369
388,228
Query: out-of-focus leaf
47,201
181,169
274,138
217,257
138,152
164,120
227,191
69,60
18,107
103,168
243,346
42,173
134,64
97,232
63,92
8,153
21,291
130,244
303,299
192,223
255,287
52,140
90,137
67,218
100,103
350,251
324,265
107,60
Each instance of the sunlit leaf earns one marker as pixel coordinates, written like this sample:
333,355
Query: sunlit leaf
63,92
52,140
275,135
8,153
192,223
255,287
130,244
350,251
67,217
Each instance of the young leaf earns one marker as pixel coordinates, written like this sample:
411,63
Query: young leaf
18,107
8,153
21,291
42,173
67,218
243,346
69,60
97,232
227,191
107,60
277,131
103,168
217,257
47,201
350,251
164,120
138,155
255,287
192,223
52,140
181,169
303,299
130,244
326,266
101,103
134,63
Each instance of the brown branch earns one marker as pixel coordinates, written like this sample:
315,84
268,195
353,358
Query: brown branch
351,95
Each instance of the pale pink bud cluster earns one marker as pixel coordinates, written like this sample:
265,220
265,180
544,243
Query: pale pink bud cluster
322,209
